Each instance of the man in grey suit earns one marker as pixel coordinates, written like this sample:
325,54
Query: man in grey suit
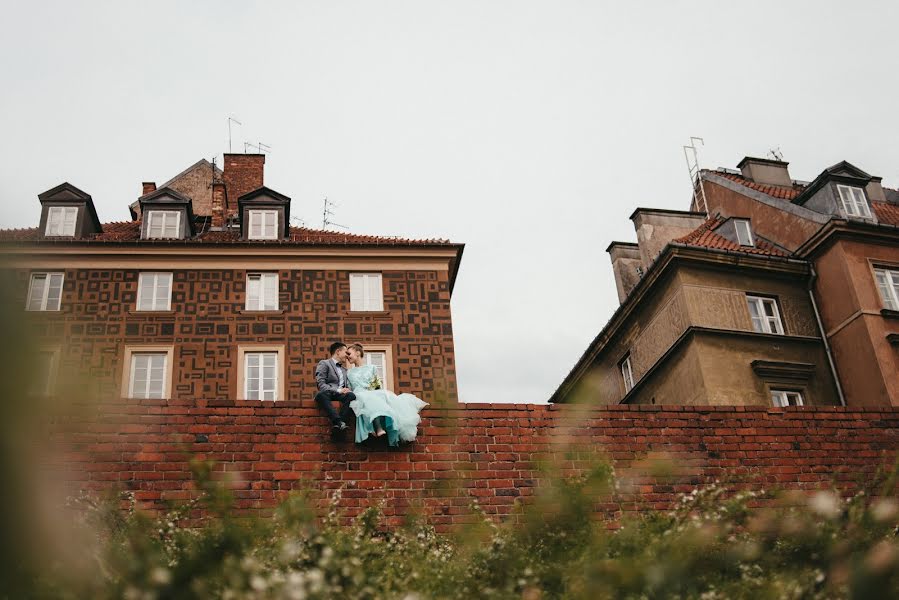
332,385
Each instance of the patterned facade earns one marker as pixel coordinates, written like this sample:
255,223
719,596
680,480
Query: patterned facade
99,325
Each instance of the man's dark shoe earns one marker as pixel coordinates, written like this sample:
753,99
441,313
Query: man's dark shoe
337,430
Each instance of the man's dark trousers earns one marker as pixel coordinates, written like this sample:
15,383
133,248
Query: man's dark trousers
324,399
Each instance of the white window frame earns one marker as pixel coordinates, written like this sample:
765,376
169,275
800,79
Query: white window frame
387,351
167,228
262,291
45,301
854,202
749,241
764,323
243,371
366,292
782,398
152,281
887,281
627,373
61,221
128,366
262,221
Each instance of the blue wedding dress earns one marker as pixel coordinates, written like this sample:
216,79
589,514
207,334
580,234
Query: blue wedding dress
398,414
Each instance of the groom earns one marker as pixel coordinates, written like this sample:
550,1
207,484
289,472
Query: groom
332,384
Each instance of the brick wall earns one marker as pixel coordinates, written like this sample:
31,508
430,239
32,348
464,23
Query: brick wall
208,322
466,452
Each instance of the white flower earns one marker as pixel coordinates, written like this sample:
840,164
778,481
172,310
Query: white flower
161,576
825,504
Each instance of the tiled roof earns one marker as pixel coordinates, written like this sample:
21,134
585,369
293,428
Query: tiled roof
704,236
129,231
886,213
772,190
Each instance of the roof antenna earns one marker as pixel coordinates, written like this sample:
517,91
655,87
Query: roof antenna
231,120
776,154
691,153
259,147
327,213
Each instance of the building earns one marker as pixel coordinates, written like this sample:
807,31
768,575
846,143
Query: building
726,303
845,224
208,293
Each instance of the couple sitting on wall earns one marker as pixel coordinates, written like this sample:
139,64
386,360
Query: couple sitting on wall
345,377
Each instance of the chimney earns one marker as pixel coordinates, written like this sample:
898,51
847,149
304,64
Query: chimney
656,227
149,187
243,173
766,171
875,190
627,265
219,204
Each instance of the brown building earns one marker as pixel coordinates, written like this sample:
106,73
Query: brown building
707,317
208,292
730,309
844,223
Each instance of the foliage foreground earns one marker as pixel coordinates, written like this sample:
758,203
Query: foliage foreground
713,545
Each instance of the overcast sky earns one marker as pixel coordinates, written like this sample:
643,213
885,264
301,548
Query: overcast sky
527,130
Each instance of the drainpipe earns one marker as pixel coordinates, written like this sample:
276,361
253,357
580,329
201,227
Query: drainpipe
833,368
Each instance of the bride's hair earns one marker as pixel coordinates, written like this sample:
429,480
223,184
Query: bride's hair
358,348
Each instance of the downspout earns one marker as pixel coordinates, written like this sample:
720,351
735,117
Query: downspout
833,368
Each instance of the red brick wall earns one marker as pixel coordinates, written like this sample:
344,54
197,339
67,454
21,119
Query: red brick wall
207,323
243,173
474,451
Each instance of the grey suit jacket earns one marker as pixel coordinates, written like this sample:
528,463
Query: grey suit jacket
327,376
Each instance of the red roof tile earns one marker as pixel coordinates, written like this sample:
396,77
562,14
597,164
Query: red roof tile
129,231
705,237
886,213
772,190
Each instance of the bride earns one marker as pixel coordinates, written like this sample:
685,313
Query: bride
380,412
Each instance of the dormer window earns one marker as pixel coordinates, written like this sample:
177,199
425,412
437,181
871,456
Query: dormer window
854,202
264,215
744,232
164,224
263,224
61,221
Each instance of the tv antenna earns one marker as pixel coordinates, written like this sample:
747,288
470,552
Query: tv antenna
258,146
231,120
327,213
298,222
776,154
691,153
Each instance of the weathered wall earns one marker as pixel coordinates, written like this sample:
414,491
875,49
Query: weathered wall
207,323
466,452
856,325
711,298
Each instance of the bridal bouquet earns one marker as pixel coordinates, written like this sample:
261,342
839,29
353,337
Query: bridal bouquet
375,383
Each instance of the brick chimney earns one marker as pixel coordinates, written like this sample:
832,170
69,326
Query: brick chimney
766,171
149,187
243,173
219,203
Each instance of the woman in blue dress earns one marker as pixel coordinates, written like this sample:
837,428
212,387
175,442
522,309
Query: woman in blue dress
380,412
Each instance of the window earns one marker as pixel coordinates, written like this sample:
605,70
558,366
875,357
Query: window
45,291
854,202
786,398
627,373
888,285
379,360
261,369
381,356
61,220
744,232
366,293
262,291
164,224
43,373
154,291
263,224
148,375
765,315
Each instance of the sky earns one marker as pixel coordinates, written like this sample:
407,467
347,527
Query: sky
529,131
